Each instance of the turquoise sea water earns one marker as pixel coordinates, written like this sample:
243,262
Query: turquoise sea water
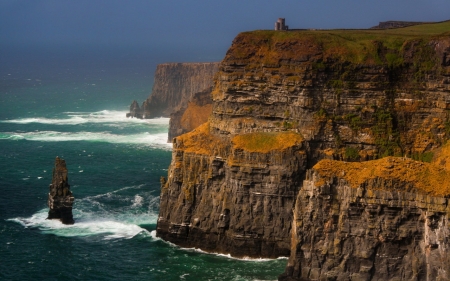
76,110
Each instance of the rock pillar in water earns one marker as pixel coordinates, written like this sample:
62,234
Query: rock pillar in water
60,198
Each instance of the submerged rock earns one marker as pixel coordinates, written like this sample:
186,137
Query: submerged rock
60,198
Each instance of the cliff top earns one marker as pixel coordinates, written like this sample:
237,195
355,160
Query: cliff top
189,63
357,46
428,178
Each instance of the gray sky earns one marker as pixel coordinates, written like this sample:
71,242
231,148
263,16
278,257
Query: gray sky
197,24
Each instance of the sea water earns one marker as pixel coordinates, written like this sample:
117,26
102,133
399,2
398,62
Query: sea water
76,110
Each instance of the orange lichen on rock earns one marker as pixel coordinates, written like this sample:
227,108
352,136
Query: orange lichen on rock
428,178
442,157
195,115
264,142
200,141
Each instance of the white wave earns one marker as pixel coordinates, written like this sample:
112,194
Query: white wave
228,256
158,140
137,202
110,229
76,118
93,217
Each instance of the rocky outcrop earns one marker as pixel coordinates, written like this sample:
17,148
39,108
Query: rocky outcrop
380,220
283,101
191,115
174,85
395,24
229,196
135,110
60,198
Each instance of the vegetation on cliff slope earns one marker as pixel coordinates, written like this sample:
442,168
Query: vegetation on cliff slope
425,177
201,141
377,90
264,142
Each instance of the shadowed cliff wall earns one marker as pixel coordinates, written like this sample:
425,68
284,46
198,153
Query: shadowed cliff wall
174,85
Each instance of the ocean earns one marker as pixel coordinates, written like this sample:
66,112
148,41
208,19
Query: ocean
74,108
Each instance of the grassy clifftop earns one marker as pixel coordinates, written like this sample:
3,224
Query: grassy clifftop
356,46
429,178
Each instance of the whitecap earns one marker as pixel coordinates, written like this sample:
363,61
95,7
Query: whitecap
158,140
94,216
109,117
137,202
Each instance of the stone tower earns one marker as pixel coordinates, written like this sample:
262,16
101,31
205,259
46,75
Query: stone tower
280,24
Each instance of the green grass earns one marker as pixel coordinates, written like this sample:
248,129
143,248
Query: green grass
356,46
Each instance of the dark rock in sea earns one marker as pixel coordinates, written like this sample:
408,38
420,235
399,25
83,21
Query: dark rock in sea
60,198
135,110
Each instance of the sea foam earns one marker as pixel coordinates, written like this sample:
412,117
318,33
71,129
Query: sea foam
158,140
76,118
94,216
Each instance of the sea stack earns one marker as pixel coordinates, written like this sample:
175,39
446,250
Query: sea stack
60,198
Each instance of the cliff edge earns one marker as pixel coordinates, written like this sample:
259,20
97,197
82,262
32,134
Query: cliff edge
385,219
282,102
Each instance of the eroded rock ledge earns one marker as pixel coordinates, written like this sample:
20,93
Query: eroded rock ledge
380,220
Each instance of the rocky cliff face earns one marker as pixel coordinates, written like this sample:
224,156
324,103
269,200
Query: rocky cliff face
191,115
231,197
282,101
173,86
380,220
60,198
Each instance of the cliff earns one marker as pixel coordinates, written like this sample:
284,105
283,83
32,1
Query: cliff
60,198
386,219
191,115
283,101
174,85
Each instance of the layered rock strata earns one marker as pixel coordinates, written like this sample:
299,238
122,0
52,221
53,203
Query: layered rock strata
60,198
174,85
344,95
380,220
225,197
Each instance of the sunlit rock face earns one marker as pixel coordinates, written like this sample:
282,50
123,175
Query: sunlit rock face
371,222
284,101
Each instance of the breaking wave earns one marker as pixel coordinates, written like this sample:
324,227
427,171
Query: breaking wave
77,118
95,216
158,140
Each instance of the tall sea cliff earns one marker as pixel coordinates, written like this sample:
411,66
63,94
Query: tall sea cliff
283,102
174,85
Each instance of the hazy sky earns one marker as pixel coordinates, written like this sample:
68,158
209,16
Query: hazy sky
198,24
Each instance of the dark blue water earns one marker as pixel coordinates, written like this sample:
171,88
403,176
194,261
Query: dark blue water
75,109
